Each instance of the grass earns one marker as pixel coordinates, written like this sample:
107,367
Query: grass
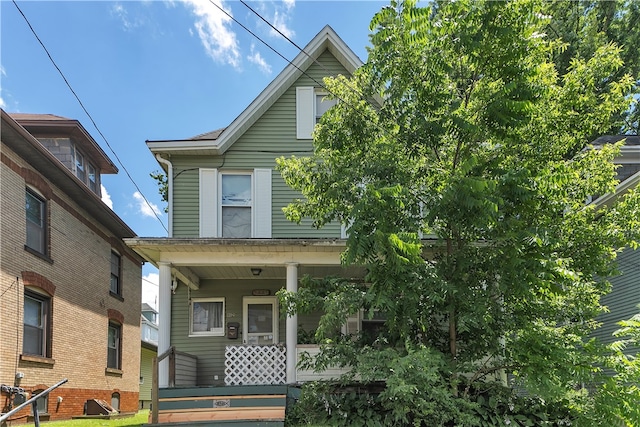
134,421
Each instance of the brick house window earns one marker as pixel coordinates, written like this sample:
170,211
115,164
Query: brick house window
36,213
114,345
80,167
43,403
116,268
92,178
37,318
115,401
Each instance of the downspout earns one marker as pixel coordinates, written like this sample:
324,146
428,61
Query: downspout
166,162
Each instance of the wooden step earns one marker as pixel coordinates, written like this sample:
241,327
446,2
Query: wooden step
236,405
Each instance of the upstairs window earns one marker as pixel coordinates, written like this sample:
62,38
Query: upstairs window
79,165
37,317
114,344
36,210
235,205
115,286
92,179
322,104
311,104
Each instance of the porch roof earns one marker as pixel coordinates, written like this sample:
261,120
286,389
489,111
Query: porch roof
193,259
198,251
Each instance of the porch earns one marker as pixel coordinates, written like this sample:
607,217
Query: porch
219,320
255,392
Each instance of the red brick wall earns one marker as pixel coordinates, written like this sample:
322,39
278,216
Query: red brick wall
72,404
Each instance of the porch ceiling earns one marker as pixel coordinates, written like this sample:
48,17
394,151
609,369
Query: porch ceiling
271,272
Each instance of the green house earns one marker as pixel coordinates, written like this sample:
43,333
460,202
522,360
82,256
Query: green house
230,247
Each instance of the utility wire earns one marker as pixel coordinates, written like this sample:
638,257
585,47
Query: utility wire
89,116
274,50
321,65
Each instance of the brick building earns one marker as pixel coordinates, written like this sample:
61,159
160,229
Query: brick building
70,289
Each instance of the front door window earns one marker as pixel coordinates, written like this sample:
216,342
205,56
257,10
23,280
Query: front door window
260,320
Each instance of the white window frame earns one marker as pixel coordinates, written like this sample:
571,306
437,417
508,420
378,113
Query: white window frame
80,165
323,94
250,206
306,114
210,212
218,332
92,183
246,334
353,325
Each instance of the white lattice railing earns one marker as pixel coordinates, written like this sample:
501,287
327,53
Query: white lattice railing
255,364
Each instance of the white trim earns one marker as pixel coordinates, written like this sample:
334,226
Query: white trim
218,200
622,188
262,207
208,196
305,111
275,318
250,258
325,39
217,332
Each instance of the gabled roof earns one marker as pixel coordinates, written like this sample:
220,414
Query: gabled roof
629,155
219,141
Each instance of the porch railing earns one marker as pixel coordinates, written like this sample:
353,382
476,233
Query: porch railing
255,364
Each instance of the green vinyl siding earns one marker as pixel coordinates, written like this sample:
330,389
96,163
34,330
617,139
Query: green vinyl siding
146,373
210,349
624,297
273,135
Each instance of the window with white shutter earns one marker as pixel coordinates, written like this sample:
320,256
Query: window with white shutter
235,204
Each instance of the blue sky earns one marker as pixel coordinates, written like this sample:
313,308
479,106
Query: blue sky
149,70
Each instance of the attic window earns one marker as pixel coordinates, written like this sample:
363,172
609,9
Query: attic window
311,104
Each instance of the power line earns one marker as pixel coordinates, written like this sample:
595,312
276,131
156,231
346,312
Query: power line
275,51
149,281
315,61
89,116
322,66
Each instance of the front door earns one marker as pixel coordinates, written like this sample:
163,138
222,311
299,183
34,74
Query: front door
260,320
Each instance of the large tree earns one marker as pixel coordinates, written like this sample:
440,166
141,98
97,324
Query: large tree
458,157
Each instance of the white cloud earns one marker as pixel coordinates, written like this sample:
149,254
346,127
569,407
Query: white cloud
281,17
106,197
150,289
2,103
146,209
257,59
214,29
121,13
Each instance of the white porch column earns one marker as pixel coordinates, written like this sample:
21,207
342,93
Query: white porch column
292,325
164,321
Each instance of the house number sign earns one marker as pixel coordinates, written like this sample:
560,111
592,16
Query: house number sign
261,292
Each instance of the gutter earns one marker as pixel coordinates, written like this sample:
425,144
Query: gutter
166,162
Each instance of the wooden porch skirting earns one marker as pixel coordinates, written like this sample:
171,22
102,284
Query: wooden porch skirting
246,403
